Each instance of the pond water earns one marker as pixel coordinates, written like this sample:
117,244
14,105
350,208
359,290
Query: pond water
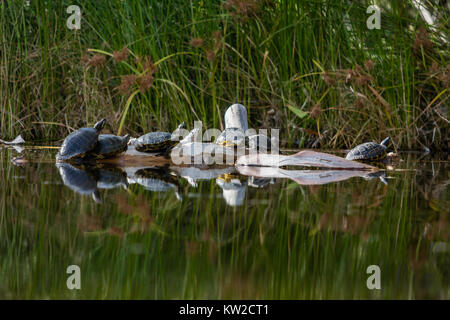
171,233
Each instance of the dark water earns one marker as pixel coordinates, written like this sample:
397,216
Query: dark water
158,234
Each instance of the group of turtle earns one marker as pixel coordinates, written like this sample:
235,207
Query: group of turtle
88,143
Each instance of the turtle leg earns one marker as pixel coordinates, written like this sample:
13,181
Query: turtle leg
227,143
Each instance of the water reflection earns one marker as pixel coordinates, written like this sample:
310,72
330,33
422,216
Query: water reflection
233,181
159,179
283,233
111,177
80,179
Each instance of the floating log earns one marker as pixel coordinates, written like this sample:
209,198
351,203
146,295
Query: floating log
303,159
302,177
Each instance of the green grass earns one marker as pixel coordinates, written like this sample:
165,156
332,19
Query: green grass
277,55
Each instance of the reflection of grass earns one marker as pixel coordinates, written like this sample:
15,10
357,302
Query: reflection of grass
312,69
297,242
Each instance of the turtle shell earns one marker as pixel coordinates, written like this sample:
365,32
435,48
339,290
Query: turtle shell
80,142
155,142
159,141
367,151
109,145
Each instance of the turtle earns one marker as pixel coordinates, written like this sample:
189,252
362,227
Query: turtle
369,151
158,142
109,145
231,137
77,144
80,179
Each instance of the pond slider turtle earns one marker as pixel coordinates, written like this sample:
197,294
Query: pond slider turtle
159,141
231,137
369,151
109,145
79,179
80,142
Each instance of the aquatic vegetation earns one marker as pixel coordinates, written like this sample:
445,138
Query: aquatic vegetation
351,84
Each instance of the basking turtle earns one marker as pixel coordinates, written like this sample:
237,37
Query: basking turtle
231,137
79,179
369,151
80,142
158,142
156,179
109,145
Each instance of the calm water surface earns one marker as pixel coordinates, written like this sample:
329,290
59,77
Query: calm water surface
177,234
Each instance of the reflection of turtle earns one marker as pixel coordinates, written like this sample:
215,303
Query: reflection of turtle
80,142
369,151
257,182
111,177
233,189
156,179
158,141
109,145
377,174
80,180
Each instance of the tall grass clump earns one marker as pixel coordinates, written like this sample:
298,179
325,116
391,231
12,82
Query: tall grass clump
310,68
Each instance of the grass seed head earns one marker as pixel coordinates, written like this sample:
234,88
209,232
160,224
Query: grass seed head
316,111
120,55
145,82
127,83
210,55
97,60
369,65
422,40
196,42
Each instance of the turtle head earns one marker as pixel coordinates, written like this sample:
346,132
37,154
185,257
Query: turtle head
385,141
96,196
99,125
126,138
